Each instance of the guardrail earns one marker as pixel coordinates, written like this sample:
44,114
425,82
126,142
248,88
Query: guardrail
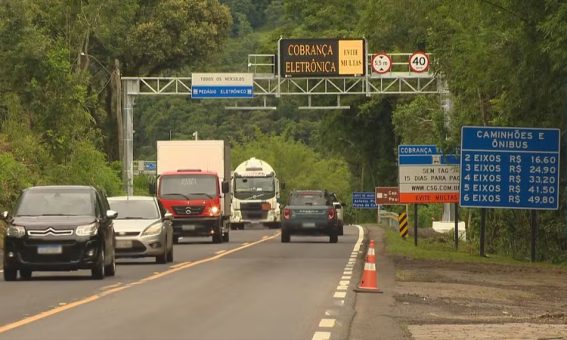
390,219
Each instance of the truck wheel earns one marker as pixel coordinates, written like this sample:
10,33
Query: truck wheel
341,232
286,237
217,236
175,239
226,237
10,274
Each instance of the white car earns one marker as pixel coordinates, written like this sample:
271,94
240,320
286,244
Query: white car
143,228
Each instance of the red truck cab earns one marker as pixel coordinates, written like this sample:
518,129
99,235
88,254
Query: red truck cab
194,197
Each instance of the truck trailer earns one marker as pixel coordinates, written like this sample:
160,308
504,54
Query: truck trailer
256,192
193,184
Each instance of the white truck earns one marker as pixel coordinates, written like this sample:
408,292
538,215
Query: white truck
256,191
194,185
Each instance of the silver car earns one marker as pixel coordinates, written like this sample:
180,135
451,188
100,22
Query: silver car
143,228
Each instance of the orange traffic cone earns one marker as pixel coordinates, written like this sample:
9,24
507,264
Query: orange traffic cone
371,255
369,279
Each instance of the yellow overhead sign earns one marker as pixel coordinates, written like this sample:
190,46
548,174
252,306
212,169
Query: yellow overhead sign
322,57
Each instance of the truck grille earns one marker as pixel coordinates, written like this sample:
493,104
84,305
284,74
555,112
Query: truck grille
188,210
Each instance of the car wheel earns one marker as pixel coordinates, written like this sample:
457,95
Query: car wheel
162,258
286,237
25,274
97,272
10,274
110,270
170,255
333,238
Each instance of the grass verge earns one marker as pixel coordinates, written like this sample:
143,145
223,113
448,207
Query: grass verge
440,247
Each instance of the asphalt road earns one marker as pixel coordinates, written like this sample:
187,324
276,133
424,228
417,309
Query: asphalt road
254,287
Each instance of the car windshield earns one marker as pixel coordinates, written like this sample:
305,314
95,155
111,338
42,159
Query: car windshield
188,186
308,198
135,209
254,187
56,202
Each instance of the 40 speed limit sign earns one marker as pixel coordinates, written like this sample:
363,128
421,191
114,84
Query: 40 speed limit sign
419,62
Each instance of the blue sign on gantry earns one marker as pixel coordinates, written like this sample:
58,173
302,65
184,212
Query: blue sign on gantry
504,167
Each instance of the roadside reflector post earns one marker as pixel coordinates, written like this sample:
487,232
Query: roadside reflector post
403,221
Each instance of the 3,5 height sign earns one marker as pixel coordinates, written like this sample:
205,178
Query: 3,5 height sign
509,168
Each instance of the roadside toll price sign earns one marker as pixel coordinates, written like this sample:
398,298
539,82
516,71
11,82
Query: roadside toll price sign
419,62
506,167
426,175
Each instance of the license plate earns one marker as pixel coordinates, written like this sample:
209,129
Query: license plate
49,249
123,244
309,225
188,227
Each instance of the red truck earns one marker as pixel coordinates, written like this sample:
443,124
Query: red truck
193,185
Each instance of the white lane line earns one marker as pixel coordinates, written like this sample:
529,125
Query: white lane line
179,264
327,323
339,295
321,336
342,288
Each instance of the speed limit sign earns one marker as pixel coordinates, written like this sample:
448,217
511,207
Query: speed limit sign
419,62
381,63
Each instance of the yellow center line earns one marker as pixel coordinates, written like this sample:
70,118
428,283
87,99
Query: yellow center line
111,286
220,252
116,288
179,264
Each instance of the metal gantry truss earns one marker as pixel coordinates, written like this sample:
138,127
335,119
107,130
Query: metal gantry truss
269,84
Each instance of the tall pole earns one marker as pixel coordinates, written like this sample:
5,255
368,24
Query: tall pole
415,225
533,222
456,226
482,227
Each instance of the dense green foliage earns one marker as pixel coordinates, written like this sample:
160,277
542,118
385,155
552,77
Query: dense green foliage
504,62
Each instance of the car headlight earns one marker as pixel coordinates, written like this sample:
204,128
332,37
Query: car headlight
214,210
87,230
154,229
15,231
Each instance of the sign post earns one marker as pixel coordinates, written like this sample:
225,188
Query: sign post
506,167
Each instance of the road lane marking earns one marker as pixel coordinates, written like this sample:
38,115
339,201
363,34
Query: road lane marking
245,243
89,299
321,336
179,264
339,295
220,252
341,291
327,323
111,286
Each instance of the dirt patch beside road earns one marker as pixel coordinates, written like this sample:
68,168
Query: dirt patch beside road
445,300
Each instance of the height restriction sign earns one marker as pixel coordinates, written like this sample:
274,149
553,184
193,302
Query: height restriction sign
381,63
